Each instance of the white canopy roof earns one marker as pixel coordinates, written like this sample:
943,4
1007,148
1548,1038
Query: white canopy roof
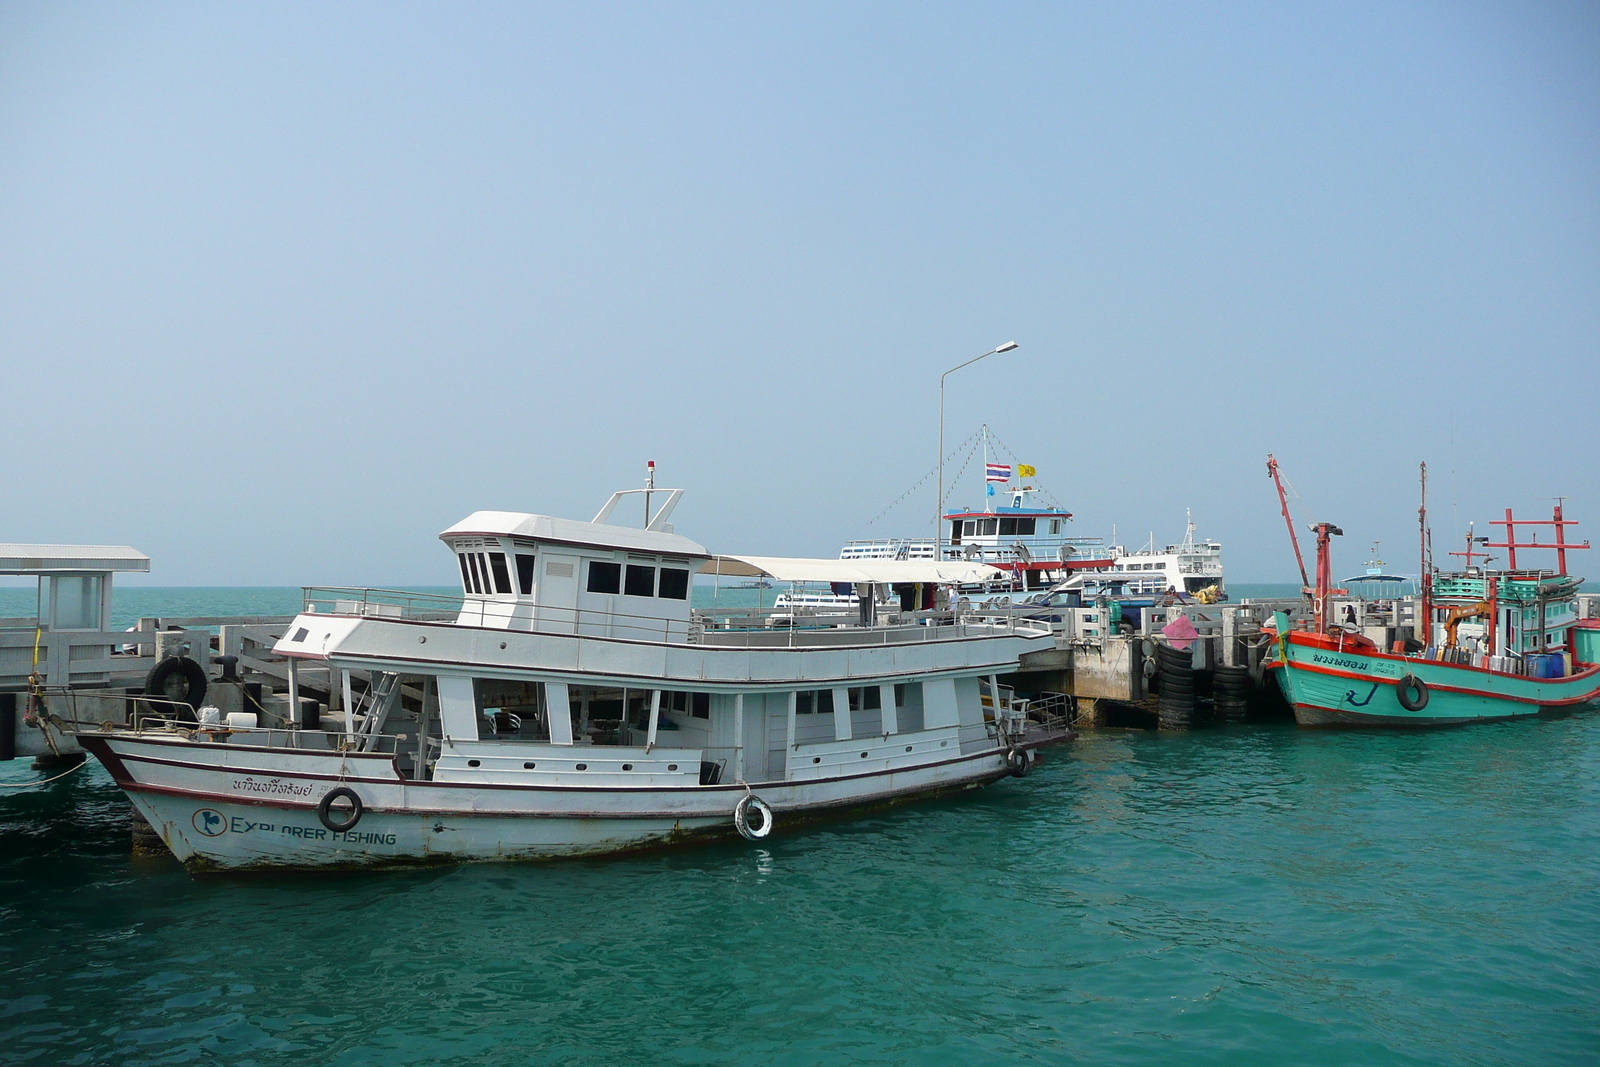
70,559
884,571
572,532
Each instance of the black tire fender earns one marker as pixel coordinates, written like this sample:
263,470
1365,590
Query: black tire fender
1018,763
1404,688
741,817
325,814
165,674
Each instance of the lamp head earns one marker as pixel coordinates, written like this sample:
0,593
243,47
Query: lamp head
1008,346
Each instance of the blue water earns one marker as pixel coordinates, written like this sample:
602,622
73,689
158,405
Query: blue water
1257,894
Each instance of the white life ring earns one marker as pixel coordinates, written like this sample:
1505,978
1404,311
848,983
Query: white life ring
741,818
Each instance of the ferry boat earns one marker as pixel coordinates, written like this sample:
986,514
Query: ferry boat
1499,644
570,702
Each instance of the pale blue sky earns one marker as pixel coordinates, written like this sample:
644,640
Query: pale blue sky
288,289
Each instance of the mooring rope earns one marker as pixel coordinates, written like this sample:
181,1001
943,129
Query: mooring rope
47,781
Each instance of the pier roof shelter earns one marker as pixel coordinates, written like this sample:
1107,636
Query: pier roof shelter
74,603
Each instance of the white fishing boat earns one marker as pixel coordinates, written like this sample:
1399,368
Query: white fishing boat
569,701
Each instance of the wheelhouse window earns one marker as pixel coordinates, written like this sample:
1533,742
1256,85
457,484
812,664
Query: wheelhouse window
605,577
674,584
502,576
466,574
641,581
477,574
525,573
1026,526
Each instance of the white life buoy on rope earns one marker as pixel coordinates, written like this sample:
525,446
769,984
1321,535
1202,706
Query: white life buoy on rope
741,818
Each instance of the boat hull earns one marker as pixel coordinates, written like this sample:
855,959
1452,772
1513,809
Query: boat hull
223,807
1333,687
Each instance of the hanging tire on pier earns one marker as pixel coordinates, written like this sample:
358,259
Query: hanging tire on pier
1412,692
1232,686
752,830
325,809
1017,762
1175,687
177,679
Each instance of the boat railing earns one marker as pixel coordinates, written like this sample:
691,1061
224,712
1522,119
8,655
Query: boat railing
808,626
90,711
381,603
497,614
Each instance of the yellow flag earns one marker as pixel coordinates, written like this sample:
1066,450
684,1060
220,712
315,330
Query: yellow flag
1025,471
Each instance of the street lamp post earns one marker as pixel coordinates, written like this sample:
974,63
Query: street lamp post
938,504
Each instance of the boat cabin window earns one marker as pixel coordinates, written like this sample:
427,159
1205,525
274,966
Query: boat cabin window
485,572
511,711
987,527
525,573
1015,527
674,584
1055,526
969,526
605,577
867,698
908,706
641,581
814,702
502,576
694,705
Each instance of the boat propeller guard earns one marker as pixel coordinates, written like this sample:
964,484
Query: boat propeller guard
741,817
325,805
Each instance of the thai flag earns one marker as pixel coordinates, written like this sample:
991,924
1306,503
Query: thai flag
998,472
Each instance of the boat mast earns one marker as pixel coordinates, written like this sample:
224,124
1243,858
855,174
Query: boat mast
1425,565
988,486
1326,532
649,484
1283,502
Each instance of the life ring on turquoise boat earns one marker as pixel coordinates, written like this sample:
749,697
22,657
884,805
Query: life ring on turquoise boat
1403,689
741,817
1017,762
325,806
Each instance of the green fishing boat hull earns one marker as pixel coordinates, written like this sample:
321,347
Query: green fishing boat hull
1338,688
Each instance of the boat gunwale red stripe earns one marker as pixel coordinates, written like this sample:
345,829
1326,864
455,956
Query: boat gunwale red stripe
1590,668
1443,688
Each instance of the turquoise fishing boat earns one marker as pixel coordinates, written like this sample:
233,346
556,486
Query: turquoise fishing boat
1499,644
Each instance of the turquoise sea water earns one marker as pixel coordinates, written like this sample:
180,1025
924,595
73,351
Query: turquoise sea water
1257,894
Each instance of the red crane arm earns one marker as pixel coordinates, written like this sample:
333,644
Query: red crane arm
1283,502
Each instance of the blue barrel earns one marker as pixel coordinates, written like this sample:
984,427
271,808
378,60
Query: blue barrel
1544,665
